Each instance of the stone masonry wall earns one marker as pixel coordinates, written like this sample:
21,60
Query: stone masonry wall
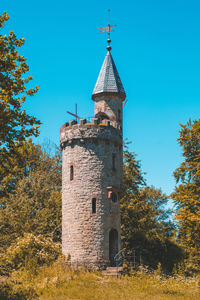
110,106
89,148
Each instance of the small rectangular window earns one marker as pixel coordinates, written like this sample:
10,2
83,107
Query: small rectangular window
94,205
119,115
71,172
113,161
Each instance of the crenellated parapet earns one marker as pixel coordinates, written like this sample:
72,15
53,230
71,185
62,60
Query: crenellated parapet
108,131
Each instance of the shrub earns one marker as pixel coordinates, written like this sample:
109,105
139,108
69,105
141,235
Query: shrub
10,291
29,252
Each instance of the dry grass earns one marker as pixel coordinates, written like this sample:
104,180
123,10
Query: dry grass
60,282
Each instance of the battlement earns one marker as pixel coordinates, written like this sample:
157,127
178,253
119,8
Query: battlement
106,130
95,121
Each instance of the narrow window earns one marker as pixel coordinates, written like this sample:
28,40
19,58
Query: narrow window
94,205
114,197
71,172
113,161
119,115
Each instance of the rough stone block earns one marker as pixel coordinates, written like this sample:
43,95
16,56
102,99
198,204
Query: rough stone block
72,122
95,121
82,121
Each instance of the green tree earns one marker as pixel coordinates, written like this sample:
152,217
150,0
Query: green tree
34,205
27,158
16,125
146,228
187,194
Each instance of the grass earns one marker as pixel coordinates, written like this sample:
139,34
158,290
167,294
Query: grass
60,282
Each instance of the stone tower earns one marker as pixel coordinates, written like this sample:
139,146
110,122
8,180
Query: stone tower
92,175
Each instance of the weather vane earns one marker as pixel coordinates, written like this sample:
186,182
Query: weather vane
107,29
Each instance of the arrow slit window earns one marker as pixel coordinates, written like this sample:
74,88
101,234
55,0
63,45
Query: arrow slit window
71,173
113,161
94,205
119,115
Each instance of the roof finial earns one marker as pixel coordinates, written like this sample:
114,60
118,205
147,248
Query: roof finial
107,29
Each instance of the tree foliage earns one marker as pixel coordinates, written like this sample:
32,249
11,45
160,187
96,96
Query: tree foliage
27,158
16,125
146,228
29,252
187,193
34,204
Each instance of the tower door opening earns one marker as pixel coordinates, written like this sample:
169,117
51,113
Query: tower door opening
113,246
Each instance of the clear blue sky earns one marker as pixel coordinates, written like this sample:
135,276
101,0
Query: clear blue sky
156,48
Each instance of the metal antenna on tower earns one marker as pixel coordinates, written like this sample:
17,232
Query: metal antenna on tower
74,115
107,29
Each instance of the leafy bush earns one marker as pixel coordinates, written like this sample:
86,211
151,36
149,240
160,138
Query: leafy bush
29,252
10,291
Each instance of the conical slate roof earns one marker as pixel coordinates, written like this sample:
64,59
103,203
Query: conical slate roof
108,80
